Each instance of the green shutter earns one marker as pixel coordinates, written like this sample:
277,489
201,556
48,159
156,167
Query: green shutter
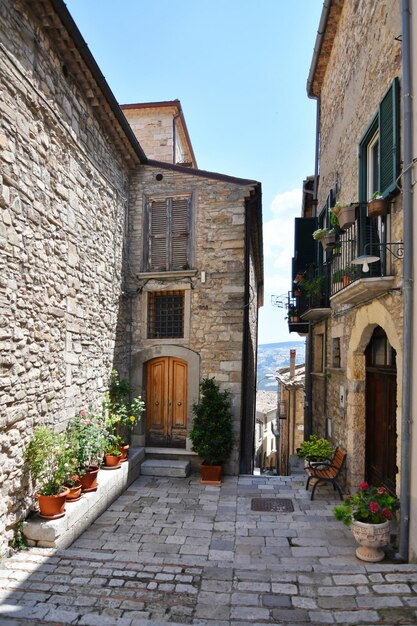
389,139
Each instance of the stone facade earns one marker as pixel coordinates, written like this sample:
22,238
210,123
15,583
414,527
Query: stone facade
360,64
72,186
216,305
161,130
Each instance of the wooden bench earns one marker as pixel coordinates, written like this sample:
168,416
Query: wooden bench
326,471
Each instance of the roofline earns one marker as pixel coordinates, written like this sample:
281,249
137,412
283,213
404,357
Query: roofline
165,104
318,46
203,173
82,47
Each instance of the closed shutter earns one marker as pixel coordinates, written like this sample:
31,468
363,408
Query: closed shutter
158,235
169,233
180,212
389,139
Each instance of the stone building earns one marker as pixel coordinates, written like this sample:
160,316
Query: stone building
265,440
110,259
350,292
290,424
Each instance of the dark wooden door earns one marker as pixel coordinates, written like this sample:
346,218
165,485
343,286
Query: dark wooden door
166,402
381,408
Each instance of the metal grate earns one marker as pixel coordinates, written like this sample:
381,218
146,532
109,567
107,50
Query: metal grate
274,505
165,314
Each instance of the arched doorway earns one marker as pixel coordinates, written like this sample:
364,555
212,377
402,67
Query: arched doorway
381,409
166,402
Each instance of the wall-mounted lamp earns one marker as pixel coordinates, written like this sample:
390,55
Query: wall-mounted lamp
364,260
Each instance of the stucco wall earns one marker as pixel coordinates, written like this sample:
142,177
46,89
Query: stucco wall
63,202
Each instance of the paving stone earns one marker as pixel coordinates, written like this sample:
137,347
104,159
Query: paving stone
355,617
392,589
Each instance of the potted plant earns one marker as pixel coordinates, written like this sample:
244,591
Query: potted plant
120,414
74,486
212,430
345,214
368,512
48,457
87,434
376,206
315,449
326,236
112,453
314,288
293,315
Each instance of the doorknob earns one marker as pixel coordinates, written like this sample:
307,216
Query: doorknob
156,402
179,403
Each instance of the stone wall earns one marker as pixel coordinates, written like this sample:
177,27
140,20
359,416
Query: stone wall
364,60
217,306
63,205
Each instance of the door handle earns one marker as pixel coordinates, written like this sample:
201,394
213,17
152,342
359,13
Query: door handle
156,402
179,403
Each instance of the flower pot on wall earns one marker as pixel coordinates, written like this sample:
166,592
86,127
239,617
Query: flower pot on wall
371,538
347,216
112,460
74,493
52,507
376,207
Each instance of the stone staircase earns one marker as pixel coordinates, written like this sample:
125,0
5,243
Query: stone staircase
174,462
165,467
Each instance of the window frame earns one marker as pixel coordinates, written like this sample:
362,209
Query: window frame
169,265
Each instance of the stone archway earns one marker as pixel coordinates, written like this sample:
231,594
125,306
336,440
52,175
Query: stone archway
367,318
139,360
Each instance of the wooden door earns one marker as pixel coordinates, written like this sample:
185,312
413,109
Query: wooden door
381,408
166,402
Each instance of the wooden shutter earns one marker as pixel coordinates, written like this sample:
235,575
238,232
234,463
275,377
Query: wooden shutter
158,235
180,232
389,139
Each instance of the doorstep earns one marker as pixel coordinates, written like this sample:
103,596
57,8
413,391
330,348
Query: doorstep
61,533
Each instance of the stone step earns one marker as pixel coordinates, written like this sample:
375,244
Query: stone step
165,467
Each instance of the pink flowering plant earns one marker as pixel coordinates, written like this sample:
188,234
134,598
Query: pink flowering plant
372,505
50,460
87,433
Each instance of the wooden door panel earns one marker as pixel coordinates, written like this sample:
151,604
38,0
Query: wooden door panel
178,399
381,429
166,402
156,400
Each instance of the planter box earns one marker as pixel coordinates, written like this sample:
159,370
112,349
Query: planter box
328,241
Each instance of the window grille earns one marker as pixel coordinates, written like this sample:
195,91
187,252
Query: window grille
165,314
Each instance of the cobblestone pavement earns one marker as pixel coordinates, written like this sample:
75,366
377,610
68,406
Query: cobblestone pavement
175,551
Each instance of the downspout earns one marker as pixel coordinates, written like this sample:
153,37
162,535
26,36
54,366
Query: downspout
408,282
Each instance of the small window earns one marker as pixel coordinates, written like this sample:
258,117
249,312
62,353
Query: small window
319,353
336,352
165,314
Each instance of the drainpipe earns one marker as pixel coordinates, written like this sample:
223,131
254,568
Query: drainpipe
408,281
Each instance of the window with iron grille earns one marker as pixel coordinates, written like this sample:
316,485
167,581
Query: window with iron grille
165,314
168,230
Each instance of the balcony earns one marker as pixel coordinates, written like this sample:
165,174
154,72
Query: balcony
352,282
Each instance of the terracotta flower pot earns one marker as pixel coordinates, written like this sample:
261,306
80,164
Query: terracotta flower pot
371,538
52,507
74,493
376,207
124,449
89,480
112,460
347,216
211,474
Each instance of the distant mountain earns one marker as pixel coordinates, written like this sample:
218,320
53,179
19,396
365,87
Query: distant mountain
271,356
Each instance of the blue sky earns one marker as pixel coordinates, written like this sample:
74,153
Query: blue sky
239,68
